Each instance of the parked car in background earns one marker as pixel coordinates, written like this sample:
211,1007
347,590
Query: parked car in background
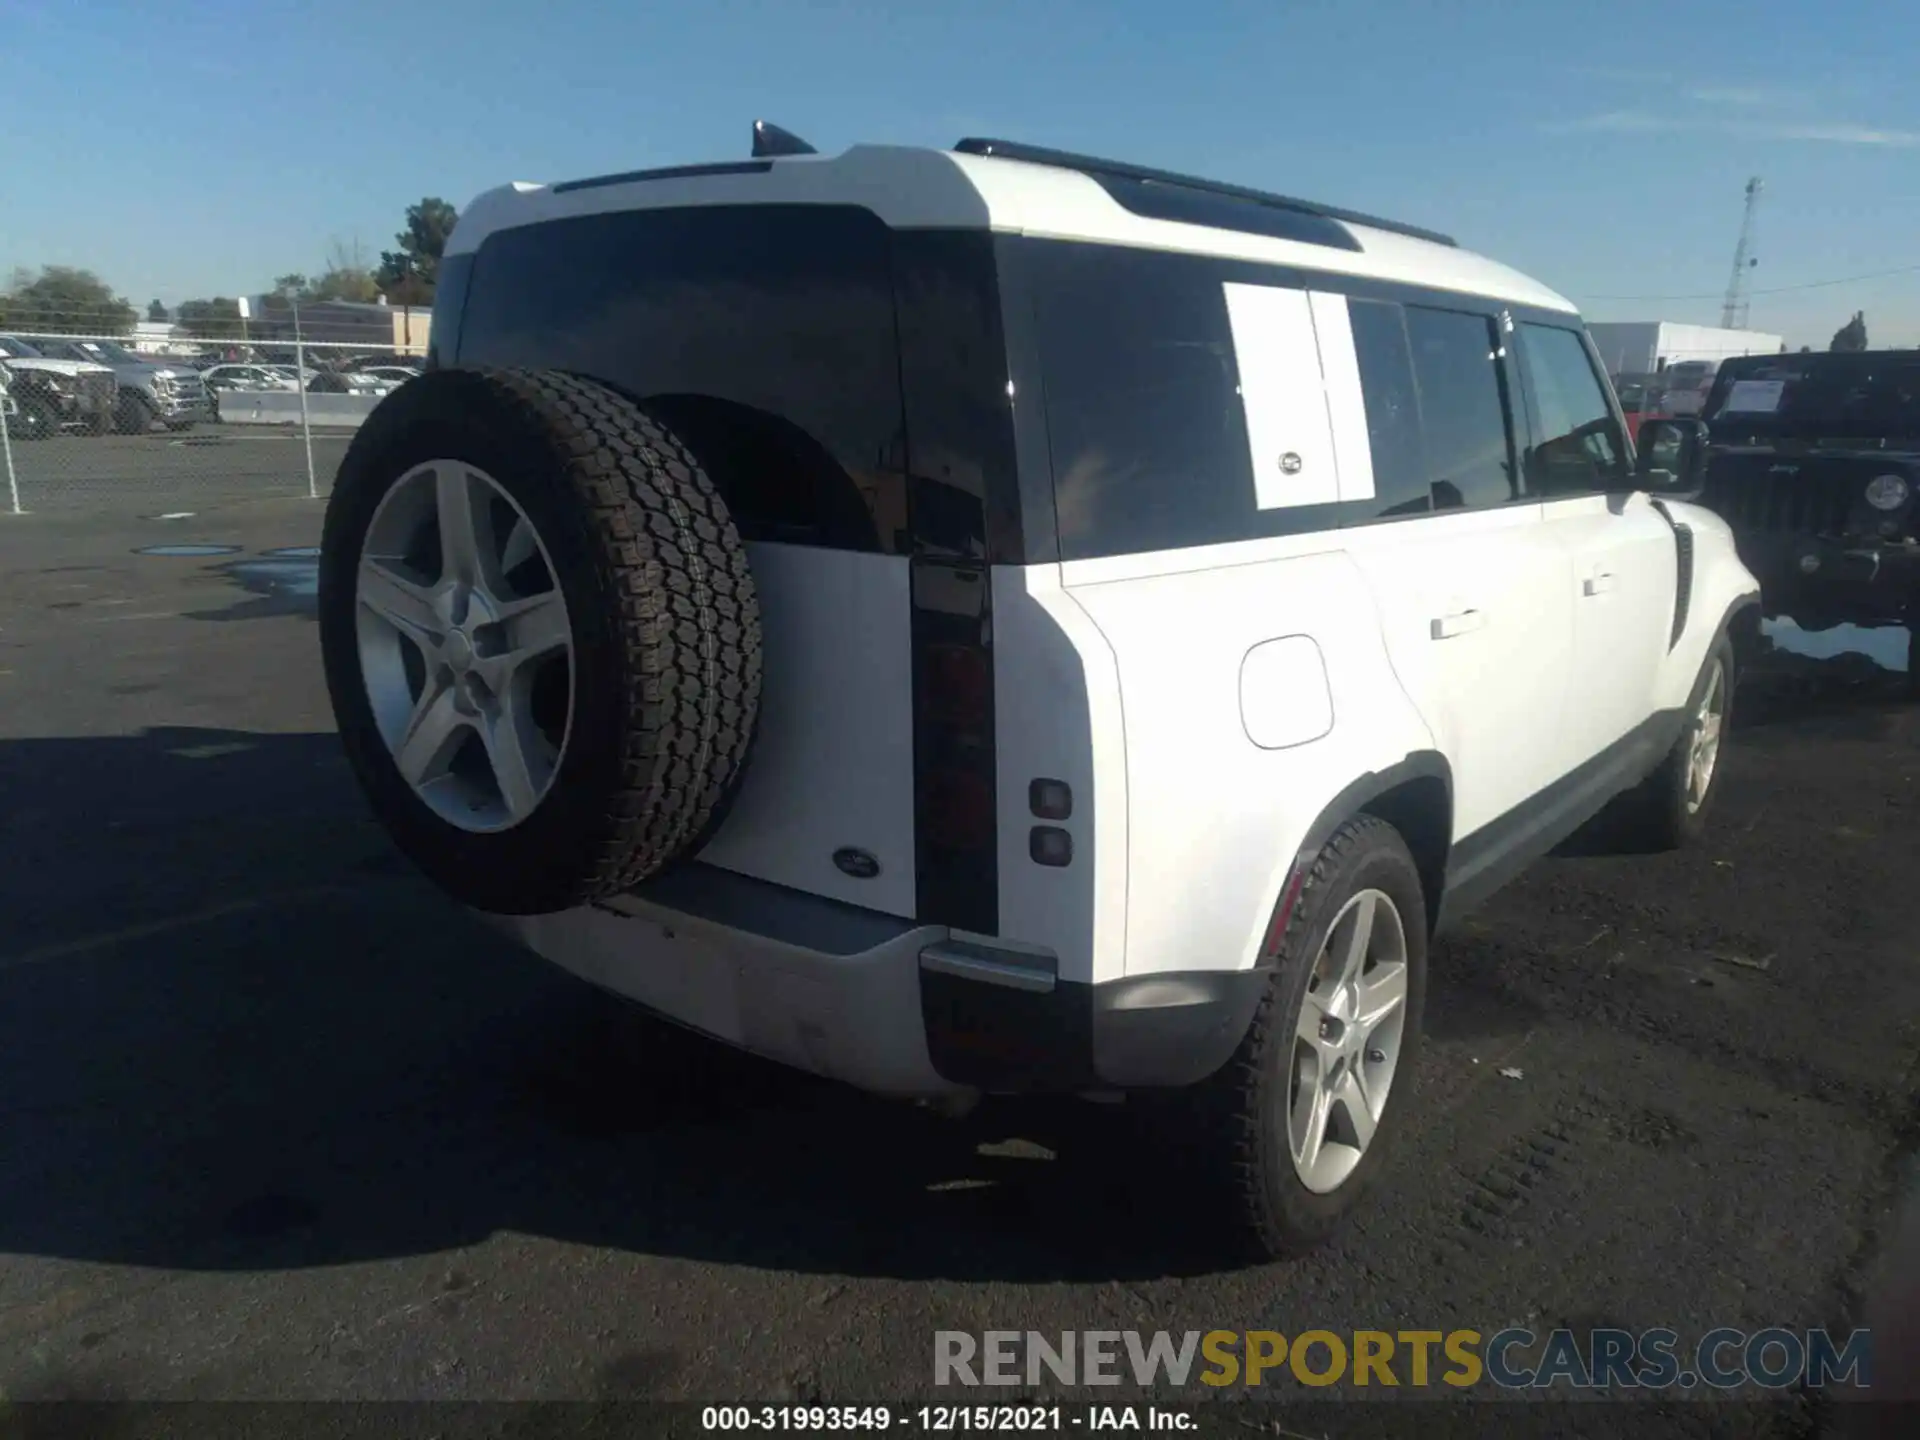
150,392
245,377
56,394
1638,395
412,364
391,374
1814,460
348,382
20,424
1686,383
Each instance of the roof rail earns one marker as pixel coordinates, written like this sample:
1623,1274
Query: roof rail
1120,170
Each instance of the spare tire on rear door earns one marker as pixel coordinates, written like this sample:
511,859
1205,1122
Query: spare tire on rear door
540,633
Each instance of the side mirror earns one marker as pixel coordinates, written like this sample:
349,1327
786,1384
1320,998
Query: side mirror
1671,454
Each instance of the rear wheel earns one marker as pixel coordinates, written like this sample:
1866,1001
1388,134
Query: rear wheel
1297,1124
541,636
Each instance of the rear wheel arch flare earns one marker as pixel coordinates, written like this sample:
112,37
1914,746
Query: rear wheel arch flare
1415,796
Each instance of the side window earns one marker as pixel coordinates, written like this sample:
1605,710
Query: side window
1463,408
1144,416
1393,407
1582,451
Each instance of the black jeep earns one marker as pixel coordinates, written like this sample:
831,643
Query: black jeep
1814,460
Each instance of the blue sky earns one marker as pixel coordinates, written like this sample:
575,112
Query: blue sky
191,149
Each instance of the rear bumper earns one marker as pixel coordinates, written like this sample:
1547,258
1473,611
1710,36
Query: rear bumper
1821,581
884,1004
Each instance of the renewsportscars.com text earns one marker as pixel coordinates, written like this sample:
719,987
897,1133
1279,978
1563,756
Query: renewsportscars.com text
1512,1358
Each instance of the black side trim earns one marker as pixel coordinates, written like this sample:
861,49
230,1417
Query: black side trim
1147,1031
1683,586
1683,581
1121,170
1499,851
669,172
759,907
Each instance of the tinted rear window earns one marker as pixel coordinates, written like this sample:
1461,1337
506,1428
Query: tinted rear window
1819,397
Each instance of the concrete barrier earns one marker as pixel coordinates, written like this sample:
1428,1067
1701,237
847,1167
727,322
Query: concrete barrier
282,407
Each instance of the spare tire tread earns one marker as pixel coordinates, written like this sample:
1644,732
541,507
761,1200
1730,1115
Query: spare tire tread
666,609
686,595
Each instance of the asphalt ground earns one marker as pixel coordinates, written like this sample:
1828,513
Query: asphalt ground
207,462
276,1121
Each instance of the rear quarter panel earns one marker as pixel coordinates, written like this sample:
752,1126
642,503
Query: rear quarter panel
1214,820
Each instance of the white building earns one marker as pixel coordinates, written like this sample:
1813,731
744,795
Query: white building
156,337
1646,347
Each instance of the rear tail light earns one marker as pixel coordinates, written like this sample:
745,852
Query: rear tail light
959,809
960,685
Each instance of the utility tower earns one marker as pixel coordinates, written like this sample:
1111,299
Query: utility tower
1733,312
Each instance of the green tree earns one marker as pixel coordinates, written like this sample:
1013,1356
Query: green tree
344,283
216,319
156,312
407,276
1852,335
64,298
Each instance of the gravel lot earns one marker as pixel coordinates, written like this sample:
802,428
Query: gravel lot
281,1123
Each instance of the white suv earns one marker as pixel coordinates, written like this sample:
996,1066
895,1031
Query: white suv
1005,621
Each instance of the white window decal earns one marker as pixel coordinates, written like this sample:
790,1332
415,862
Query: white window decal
1346,401
1283,396
1754,397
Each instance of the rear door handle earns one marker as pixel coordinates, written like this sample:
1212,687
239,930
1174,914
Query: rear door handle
1598,583
1448,626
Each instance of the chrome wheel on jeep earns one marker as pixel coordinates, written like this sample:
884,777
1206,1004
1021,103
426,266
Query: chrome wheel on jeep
465,648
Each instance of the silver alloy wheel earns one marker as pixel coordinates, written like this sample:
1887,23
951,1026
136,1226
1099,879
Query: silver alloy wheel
465,647
1347,1043
1704,753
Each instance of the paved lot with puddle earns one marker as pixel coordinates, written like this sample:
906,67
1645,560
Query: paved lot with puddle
279,1122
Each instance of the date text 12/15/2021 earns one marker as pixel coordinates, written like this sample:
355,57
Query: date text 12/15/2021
945,1419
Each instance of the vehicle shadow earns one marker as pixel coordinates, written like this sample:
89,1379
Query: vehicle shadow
236,1032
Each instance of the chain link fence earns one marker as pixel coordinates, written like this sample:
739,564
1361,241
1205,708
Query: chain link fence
95,421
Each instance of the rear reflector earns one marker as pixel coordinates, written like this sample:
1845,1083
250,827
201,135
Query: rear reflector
1283,912
1049,846
1049,799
